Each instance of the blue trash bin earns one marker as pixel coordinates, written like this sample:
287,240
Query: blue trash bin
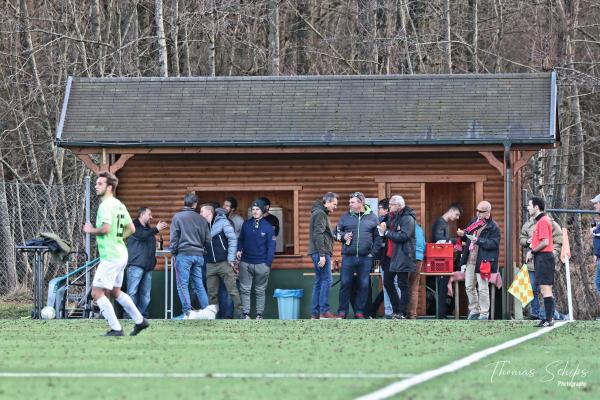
288,302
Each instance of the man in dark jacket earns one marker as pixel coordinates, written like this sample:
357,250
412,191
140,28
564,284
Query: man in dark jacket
483,245
360,243
400,249
256,249
440,233
190,237
141,247
220,256
320,248
595,231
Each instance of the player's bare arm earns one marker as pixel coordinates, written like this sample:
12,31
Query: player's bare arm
103,230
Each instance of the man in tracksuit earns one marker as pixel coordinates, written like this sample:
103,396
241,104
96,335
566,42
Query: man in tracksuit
357,229
220,256
256,249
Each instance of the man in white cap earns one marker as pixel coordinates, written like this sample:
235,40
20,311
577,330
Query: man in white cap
595,230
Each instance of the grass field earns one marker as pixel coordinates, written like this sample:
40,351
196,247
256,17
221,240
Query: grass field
396,348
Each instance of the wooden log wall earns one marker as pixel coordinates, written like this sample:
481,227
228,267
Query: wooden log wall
160,181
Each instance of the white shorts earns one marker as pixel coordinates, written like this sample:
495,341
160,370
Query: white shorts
109,274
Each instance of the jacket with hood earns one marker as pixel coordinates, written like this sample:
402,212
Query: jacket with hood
224,240
141,246
365,237
527,233
489,245
401,232
321,236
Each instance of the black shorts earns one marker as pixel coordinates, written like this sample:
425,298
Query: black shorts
544,268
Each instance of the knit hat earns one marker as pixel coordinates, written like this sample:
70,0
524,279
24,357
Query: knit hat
260,204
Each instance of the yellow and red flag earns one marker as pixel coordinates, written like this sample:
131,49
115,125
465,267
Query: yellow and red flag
521,286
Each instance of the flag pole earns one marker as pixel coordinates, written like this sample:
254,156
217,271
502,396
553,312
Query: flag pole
565,255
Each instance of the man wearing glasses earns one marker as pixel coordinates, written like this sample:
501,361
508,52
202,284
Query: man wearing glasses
482,249
357,229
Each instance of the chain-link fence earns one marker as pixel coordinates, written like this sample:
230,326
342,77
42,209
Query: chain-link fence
26,210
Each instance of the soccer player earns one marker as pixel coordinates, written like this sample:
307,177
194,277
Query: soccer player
113,224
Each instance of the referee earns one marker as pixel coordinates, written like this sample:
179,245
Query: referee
543,260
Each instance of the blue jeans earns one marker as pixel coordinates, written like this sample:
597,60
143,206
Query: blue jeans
187,267
323,280
139,283
362,266
597,276
535,303
225,302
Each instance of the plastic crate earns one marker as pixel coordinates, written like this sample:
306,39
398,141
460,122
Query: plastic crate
439,265
439,258
433,250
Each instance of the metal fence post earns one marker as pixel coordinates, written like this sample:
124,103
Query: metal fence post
88,239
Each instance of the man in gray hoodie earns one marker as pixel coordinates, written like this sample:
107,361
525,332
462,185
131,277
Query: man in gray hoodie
190,237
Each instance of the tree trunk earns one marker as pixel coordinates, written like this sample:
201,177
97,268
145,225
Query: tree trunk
273,37
175,37
473,66
160,41
447,64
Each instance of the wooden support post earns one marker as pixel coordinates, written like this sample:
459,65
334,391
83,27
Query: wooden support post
494,162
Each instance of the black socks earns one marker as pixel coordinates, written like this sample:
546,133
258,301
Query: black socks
549,307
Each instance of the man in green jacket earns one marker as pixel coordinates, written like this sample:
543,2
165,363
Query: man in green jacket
320,248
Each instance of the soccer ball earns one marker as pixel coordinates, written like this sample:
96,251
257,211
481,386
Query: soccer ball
48,312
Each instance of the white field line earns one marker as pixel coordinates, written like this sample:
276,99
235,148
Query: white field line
400,386
200,375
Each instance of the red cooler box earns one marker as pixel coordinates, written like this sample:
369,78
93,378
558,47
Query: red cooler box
439,258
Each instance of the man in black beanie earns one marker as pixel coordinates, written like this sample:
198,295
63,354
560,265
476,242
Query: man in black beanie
270,218
256,248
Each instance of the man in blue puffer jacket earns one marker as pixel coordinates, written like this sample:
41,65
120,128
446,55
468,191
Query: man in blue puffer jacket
220,256
357,229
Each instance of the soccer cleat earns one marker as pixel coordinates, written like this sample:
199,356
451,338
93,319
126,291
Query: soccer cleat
398,316
544,324
113,332
341,315
139,327
259,317
328,315
359,316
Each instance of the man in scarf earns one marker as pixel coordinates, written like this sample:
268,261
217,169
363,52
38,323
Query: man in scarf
479,259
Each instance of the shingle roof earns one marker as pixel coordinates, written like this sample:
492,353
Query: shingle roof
309,110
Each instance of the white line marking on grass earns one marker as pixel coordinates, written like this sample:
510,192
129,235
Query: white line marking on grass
416,379
193,375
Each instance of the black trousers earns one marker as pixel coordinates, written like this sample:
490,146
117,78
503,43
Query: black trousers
399,304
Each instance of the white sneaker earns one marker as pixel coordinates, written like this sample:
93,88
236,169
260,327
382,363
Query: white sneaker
484,317
259,317
246,316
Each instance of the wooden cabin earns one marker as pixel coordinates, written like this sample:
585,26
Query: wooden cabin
434,139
